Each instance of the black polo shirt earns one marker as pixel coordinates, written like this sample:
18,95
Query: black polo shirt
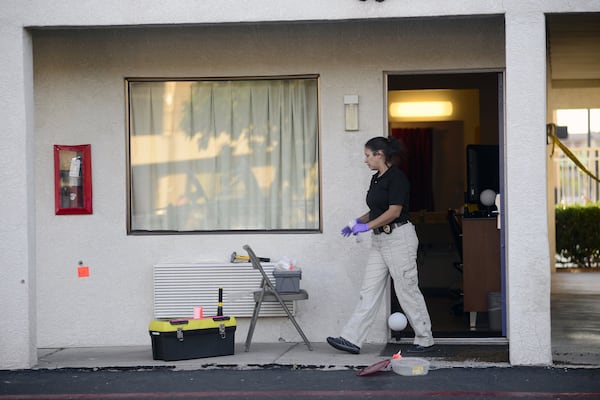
392,188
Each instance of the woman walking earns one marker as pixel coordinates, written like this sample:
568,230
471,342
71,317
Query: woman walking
393,252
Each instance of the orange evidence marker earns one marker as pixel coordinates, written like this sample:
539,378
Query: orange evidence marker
83,271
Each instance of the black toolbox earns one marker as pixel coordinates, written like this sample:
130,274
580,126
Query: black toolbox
184,339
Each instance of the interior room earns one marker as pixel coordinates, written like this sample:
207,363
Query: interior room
449,124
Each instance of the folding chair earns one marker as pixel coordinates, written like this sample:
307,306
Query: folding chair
268,293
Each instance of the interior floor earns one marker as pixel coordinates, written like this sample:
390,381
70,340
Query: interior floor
441,282
448,320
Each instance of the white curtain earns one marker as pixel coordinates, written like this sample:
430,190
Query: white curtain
224,155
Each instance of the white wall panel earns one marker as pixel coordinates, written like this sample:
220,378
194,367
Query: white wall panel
179,287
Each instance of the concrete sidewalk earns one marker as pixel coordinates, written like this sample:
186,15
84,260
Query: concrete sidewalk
575,343
261,355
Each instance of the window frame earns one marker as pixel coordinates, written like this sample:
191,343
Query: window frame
128,171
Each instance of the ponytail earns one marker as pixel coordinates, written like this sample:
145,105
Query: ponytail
392,148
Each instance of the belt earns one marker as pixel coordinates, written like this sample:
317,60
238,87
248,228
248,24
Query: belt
388,228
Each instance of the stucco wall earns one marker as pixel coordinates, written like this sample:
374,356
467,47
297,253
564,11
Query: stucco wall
528,305
79,98
121,263
17,196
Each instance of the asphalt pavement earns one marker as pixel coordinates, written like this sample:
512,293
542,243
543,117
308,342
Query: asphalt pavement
286,371
299,383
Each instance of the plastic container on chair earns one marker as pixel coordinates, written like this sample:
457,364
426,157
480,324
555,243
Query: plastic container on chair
287,281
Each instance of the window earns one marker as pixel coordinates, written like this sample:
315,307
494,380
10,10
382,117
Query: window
583,126
223,155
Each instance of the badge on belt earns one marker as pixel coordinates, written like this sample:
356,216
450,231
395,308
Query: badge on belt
387,228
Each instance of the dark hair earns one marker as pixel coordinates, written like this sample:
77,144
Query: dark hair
392,148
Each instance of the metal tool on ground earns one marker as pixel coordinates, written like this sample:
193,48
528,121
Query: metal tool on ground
239,258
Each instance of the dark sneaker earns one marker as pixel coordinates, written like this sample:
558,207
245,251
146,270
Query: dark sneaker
417,348
342,344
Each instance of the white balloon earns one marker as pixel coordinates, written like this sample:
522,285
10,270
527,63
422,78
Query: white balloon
397,321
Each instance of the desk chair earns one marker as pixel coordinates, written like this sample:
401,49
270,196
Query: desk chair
455,224
456,229
267,292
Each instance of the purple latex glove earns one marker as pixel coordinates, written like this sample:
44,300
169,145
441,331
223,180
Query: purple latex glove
358,228
346,231
348,228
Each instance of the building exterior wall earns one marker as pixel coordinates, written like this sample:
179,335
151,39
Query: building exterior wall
17,231
77,97
528,305
86,71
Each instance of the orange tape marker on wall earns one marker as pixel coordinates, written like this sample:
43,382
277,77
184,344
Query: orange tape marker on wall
83,271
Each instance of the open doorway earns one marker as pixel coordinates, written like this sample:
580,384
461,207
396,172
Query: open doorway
453,156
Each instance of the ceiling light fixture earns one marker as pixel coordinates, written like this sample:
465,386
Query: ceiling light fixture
413,109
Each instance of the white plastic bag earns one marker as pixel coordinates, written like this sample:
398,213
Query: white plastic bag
286,264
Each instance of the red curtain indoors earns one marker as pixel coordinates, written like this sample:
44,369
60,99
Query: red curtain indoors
417,165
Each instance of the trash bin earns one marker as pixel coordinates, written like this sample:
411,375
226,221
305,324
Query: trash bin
495,311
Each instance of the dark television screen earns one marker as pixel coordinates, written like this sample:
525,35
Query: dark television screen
482,170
